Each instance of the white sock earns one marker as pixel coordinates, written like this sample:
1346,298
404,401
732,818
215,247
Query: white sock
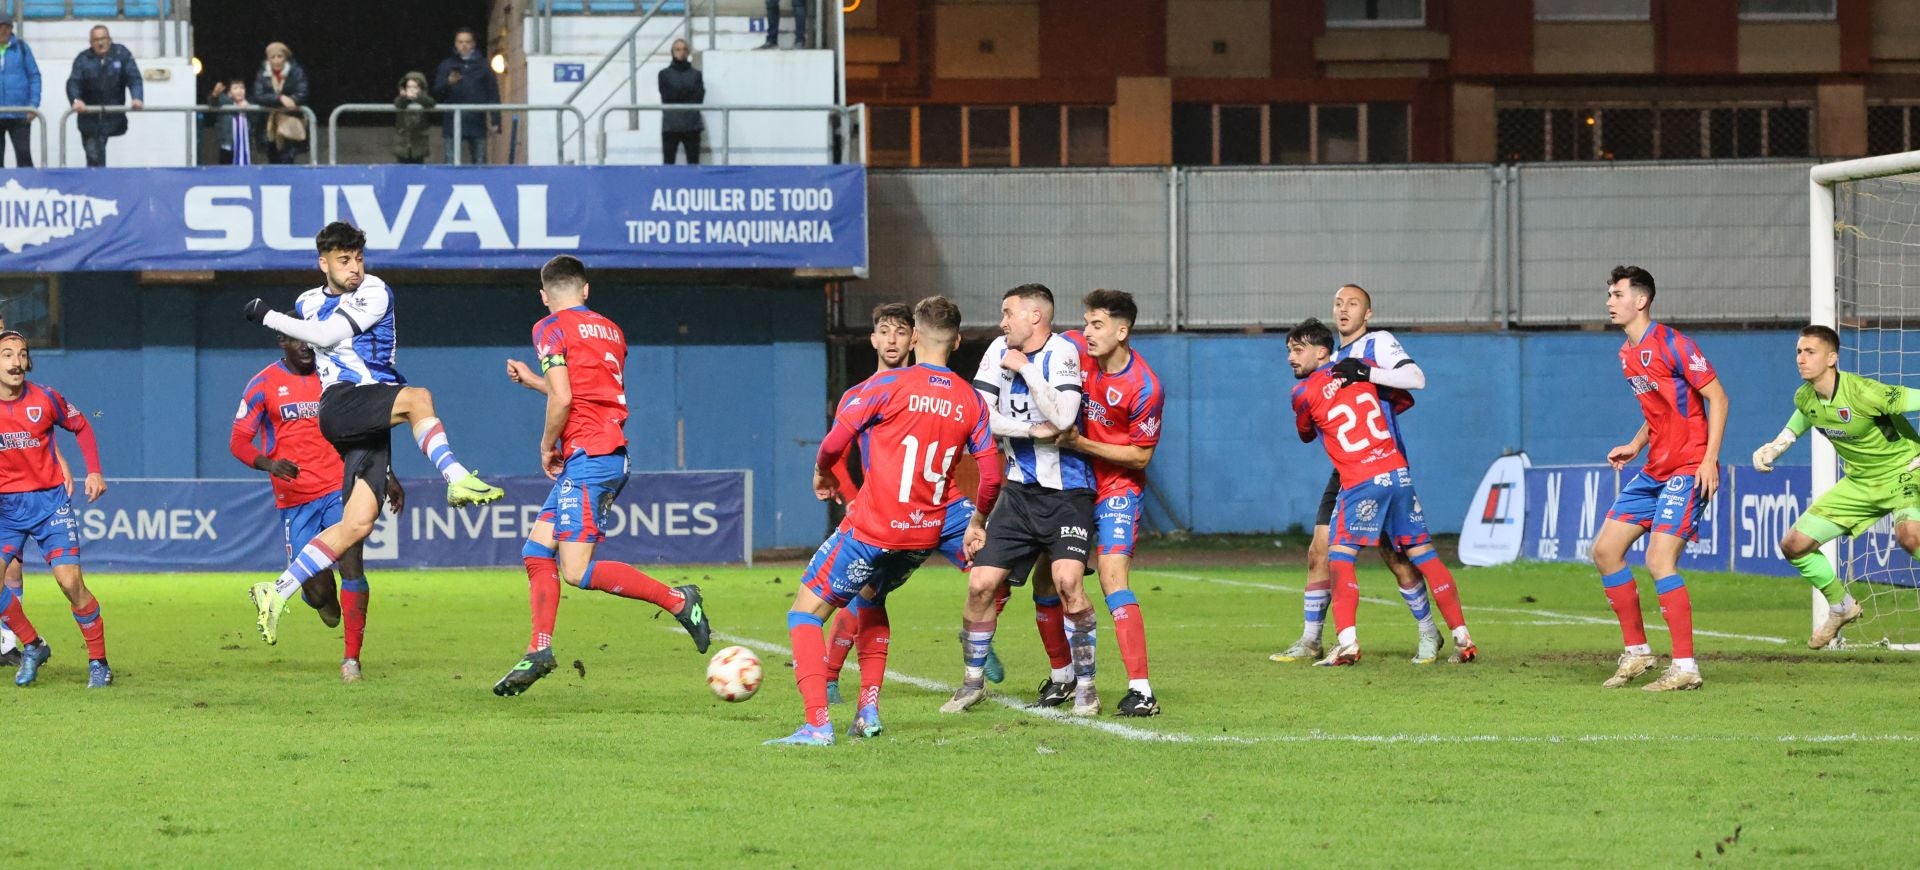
1312,631
973,675
286,587
1845,602
1686,665
1461,637
1641,649
1063,676
8,642
1141,687
1349,635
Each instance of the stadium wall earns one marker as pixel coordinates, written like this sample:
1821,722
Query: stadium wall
720,376
1229,461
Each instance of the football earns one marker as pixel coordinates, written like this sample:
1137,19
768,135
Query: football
734,673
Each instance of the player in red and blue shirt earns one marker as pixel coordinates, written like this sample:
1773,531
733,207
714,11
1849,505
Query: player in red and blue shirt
1377,498
583,448
912,425
1685,407
34,504
1119,429
281,409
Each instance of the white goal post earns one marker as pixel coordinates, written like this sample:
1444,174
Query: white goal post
1824,234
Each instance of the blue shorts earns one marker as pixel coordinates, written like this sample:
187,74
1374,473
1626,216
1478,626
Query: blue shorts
45,515
1666,507
1117,518
1384,507
304,522
844,565
583,494
953,535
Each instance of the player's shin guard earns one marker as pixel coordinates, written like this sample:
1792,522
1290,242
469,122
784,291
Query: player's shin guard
1417,604
809,663
626,581
1130,632
1050,618
1346,596
1676,607
432,438
840,640
93,629
314,558
976,641
1819,572
1446,593
543,593
353,613
1080,641
1624,596
875,635
15,616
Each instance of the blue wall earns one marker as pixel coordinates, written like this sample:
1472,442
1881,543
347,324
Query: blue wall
1229,461
742,369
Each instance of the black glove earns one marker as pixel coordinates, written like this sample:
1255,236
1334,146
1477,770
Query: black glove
256,311
1352,371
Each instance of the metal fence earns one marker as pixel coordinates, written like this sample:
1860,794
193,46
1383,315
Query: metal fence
1468,246
191,130
453,113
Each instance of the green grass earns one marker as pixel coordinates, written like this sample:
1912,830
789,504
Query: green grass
215,749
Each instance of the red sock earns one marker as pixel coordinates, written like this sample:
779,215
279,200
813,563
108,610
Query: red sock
353,613
1624,596
1676,607
809,664
1131,634
543,598
1346,591
1050,617
876,635
1000,598
1446,595
626,581
15,616
92,628
846,627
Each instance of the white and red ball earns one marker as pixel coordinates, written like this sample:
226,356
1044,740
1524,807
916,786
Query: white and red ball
734,673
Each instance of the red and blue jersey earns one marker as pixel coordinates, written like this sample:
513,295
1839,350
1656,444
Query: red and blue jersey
282,408
912,423
27,461
1352,423
1665,370
1124,408
594,352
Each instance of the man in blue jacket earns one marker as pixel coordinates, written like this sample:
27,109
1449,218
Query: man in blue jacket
19,86
465,79
102,76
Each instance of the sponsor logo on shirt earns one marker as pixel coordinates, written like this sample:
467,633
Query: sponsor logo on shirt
1150,427
915,520
18,441
1073,532
1641,384
939,381
299,411
1366,510
1097,413
1696,362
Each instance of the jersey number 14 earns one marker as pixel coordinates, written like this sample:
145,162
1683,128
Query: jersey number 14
935,476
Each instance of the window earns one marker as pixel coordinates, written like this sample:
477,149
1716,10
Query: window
1680,134
1086,135
1889,129
1291,126
1666,132
1786,9
1192,134
1376,13
939,136
989,136
31,306
890,136
1291,133
1592,10
1387,132
1626,134
1336,134
1240,134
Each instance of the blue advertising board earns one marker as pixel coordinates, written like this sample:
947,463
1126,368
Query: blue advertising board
435,217
693,517
1567,505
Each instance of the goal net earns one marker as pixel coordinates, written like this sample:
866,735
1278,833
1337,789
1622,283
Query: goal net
1872,297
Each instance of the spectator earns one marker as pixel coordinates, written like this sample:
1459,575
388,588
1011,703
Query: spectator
233,130
282,83
103,75
464,79
410,124
799,24
19,86
680,84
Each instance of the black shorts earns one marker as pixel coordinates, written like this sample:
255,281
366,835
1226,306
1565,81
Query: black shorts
1031,518
1327,499
358,422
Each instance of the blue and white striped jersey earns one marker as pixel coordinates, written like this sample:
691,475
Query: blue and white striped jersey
1380,348
366,356
1030,461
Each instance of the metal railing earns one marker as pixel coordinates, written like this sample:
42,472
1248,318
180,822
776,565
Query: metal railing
630,44
457,111
34,119
853,123
193,114
57,9
542,12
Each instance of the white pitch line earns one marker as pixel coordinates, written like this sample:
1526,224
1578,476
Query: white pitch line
1548,614
1129,732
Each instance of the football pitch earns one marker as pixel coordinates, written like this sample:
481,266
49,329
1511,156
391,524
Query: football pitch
215,749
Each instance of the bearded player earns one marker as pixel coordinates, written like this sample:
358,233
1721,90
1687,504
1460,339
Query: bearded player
583,448
1672,380
1866,423
914,424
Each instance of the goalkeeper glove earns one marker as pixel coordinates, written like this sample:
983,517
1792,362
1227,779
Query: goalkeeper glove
255,311
1769,452
1352,371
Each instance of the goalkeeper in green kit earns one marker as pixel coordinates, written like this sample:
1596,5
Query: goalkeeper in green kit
1865,420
